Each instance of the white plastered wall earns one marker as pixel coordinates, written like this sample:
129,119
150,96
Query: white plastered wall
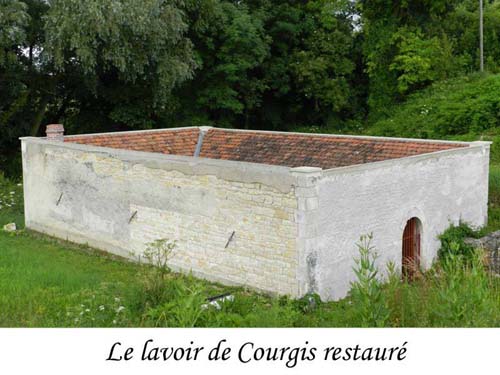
440,189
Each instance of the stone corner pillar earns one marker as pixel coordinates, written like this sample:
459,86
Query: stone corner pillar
307,195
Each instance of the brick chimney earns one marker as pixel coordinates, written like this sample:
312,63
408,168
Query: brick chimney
55,132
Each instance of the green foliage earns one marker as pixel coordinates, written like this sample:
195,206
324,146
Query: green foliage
137,40
452,242
421,42
462,25
266,64
182,308
156,269
366,292
232,47
463,293
322,69
466,106
419,61
131,64
13,18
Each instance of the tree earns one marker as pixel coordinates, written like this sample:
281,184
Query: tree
386,28
117,45
227,88
90,63
323,66
13,92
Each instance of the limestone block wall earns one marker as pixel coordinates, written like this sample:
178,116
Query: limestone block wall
120,200
378,198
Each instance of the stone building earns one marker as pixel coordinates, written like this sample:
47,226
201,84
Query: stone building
280,212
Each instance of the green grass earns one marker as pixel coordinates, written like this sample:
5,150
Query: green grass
40,277
50,283
11,202
47,283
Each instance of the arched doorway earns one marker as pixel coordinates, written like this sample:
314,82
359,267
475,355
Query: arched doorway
411,248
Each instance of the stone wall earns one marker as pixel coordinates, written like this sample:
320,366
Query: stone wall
491,246
121,200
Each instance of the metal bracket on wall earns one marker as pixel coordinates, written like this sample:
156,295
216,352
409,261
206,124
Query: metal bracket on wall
132,217
59,200
230,239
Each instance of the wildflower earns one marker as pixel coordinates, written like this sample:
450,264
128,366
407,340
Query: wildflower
12,193
120,309
117,299
87,310
114,321
101,308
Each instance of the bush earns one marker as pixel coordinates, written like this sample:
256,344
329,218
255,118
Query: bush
452,241
468,105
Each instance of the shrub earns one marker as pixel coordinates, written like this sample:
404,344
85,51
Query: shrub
467,105
452,241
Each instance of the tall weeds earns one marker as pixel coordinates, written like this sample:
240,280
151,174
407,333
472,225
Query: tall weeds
456,292
367,292
464,294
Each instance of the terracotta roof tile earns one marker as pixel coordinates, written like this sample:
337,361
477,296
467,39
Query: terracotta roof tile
295,150
176,142
292,150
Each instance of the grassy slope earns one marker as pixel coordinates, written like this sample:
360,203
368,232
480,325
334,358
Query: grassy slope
40,277
468,104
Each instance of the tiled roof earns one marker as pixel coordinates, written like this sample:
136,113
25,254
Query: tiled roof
286,149
295,150
173,141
